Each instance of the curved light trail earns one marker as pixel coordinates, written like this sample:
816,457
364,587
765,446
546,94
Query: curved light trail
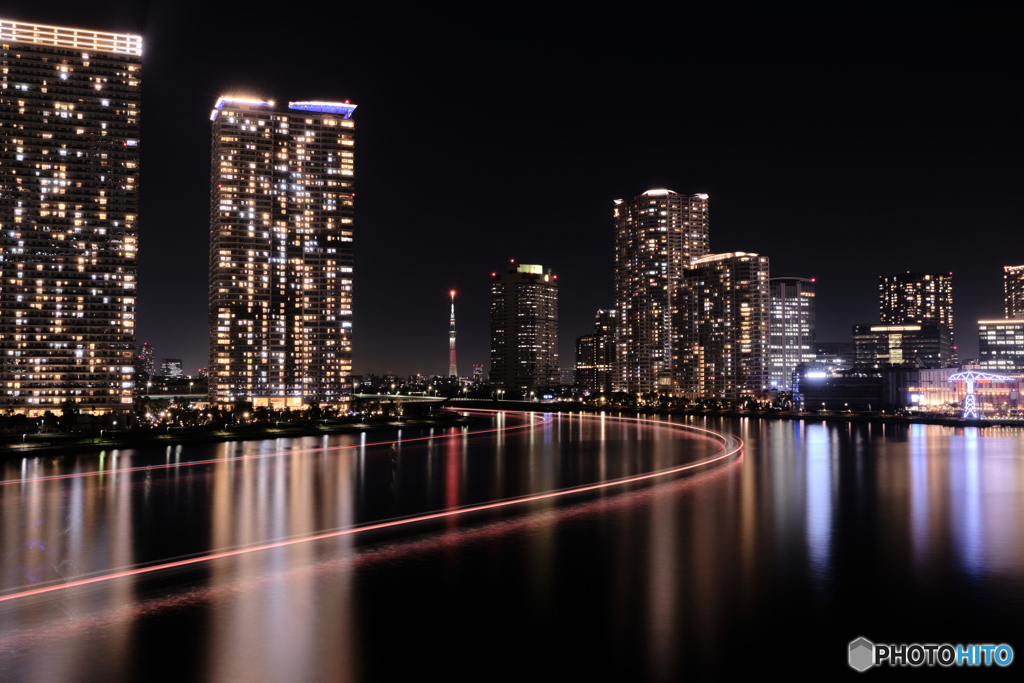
731,446
211,461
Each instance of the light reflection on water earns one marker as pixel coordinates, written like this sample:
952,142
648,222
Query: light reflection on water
823,531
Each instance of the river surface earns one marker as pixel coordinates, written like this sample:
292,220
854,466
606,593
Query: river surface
381,556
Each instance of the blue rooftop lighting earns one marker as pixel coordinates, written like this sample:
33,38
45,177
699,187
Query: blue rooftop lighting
343,108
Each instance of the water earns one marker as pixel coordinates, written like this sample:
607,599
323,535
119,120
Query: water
817,534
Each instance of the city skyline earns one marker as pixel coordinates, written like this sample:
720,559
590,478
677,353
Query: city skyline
853,159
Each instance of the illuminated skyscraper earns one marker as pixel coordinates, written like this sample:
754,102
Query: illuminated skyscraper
792,329
657,235
69,207
147,358
595,354
281,252
723,326
908,297
1013,285
524,330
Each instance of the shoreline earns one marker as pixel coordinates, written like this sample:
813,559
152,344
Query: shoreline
769,415
62,444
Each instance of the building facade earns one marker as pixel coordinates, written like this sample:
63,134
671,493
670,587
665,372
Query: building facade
281,264
606,325
171,368
147,358
1001,346
1013,287
908,298
791,332
928,345
584,376
657,236
835,356
70,115
723,327
524,331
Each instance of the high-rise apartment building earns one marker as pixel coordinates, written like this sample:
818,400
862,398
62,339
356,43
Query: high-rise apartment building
584,376
595,354
147,358
524,330
657,235
1013,286
791,330
70,114
722,329
281,252
908,298
171,367
606,325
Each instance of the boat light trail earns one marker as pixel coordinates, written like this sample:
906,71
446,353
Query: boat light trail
731,445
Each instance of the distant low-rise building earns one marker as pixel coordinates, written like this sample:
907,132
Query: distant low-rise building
927,345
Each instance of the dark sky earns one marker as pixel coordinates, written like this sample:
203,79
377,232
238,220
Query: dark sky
843,145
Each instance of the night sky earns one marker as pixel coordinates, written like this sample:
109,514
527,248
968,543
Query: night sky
844,146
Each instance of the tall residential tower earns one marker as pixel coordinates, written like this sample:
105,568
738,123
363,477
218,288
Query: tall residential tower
792,329
723,326
70,114
281,252
657,235
1013,287
524,330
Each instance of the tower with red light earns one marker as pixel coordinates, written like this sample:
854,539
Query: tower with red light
452,370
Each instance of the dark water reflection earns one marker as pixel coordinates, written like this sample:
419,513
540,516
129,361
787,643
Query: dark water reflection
820,533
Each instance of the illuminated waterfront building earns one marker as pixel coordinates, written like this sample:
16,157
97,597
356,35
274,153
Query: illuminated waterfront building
1001,346
657,235
791,330
835,356
908,298
927,345
524,330
595,354
70,111
281,252
1013,286
171,368
147,358
723,326
584,376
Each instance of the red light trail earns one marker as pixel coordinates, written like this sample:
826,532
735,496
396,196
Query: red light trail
731,445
